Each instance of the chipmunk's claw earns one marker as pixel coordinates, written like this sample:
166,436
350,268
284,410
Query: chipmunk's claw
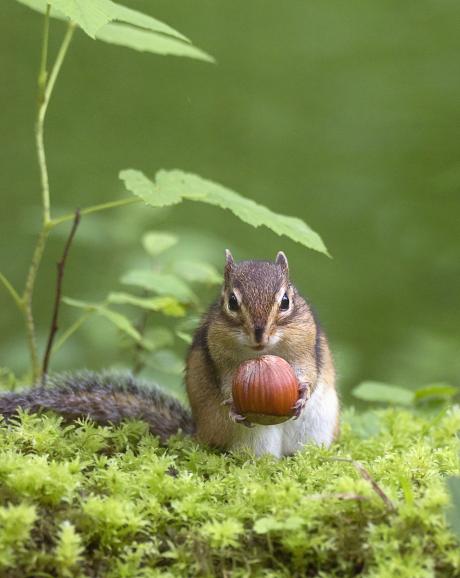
304,396
238,418
298,407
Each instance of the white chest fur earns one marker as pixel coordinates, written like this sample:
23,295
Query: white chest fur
316,425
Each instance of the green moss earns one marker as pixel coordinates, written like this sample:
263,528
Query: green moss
100,501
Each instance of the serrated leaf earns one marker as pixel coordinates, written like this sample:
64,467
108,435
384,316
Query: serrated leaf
145,41
167,305
435,391
105,12
90,15
171,187
129,16
197,272
381,392
155,243
161,283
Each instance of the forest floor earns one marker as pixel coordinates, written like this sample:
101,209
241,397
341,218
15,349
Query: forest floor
83,500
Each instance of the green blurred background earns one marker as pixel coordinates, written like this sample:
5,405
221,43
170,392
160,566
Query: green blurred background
344,114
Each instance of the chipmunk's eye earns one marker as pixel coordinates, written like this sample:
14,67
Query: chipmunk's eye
233,302
284,305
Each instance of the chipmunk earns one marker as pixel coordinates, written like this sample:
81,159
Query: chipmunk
259,312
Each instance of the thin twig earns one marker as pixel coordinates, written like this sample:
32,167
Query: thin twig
44,98
12,291
97,209
27,301
57,299
43,72
366,475
71,330
44,95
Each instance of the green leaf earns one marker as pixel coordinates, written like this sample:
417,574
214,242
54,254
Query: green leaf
155,243
167,361
167,305
186,328
121,322
267,524
197,272
130,16
161,283
293,523
80,304
435,391
364,424
117,319
381,392
145,41
172,187
157,338
91,15
116,24
185,337
453,514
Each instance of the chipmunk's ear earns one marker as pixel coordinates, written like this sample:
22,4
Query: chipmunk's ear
229,264
281,261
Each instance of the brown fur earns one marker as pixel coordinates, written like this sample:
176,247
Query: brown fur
214,355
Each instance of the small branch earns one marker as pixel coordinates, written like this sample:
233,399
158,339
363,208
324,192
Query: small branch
45,91
366,476
27,302
43,72
44,98
12,291
57,299
96,209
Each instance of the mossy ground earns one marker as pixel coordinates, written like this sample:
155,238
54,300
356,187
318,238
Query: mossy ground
110,502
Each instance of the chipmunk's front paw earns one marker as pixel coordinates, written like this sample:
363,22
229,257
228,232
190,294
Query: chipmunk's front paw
235,416
304,396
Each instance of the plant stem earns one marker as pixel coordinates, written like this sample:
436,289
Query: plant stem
12,291
43,73
45,90
71,330
96,209
44,96
27,301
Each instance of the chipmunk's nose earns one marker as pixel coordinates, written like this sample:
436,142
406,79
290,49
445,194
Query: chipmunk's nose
259,333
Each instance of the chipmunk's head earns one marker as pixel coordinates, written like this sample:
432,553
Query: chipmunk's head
257,298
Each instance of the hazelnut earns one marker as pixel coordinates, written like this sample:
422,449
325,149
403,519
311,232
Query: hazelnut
265,390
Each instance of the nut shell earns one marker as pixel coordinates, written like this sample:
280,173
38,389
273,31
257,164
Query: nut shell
265,390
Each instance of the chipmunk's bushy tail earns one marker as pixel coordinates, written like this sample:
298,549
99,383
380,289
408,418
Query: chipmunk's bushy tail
106,397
